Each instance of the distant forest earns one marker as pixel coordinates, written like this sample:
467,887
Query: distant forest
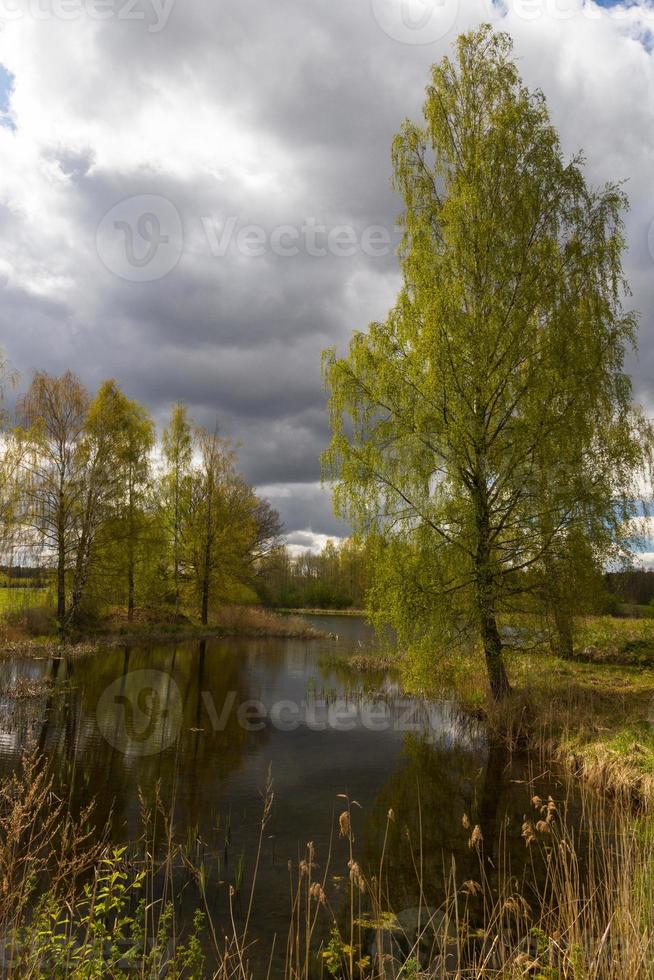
634,586
338,577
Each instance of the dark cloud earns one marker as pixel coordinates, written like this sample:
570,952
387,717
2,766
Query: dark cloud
268,115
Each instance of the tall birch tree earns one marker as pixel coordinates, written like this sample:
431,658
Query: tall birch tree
488,419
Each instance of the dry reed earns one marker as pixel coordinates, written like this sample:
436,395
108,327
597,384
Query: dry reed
582,907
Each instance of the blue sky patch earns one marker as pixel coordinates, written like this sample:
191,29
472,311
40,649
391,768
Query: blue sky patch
6,85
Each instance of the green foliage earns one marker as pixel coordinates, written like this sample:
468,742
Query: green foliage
336,953
334,578
85,497
410,969
219,525
104,933
484,431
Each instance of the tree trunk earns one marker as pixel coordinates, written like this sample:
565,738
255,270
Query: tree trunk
563,623
204,612
81,573
492,642
206,574
130,591
176,535
130,554
61,585
208,546
485,594
61,559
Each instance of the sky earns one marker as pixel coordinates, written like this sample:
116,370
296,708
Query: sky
195,197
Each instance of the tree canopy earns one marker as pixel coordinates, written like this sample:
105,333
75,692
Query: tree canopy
487,423
83,493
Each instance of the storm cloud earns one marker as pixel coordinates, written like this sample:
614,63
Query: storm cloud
195,197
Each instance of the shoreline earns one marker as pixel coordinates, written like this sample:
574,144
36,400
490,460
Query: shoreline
355,613
592,717
92,642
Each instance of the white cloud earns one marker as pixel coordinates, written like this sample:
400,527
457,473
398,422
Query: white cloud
272,113
307,540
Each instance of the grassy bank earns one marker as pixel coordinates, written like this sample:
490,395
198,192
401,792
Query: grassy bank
606,639
594,713
596,719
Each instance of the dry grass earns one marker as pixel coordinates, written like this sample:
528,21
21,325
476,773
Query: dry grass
71,905
359,663
583,907
230,620
347,611
39,841
253,621
49,648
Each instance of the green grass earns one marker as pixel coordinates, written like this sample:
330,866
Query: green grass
604,707
635,610
595,713
610,640
13,600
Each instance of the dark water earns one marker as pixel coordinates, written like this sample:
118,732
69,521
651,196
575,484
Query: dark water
207,722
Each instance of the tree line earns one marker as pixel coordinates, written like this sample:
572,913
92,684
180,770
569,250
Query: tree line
87,491
337,577
634,586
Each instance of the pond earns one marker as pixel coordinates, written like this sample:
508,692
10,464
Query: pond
205,724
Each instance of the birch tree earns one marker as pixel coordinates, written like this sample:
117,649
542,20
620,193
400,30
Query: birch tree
221,530
52,416
177,446
498,372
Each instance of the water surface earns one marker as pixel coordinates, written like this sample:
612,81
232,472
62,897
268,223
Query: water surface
206,724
